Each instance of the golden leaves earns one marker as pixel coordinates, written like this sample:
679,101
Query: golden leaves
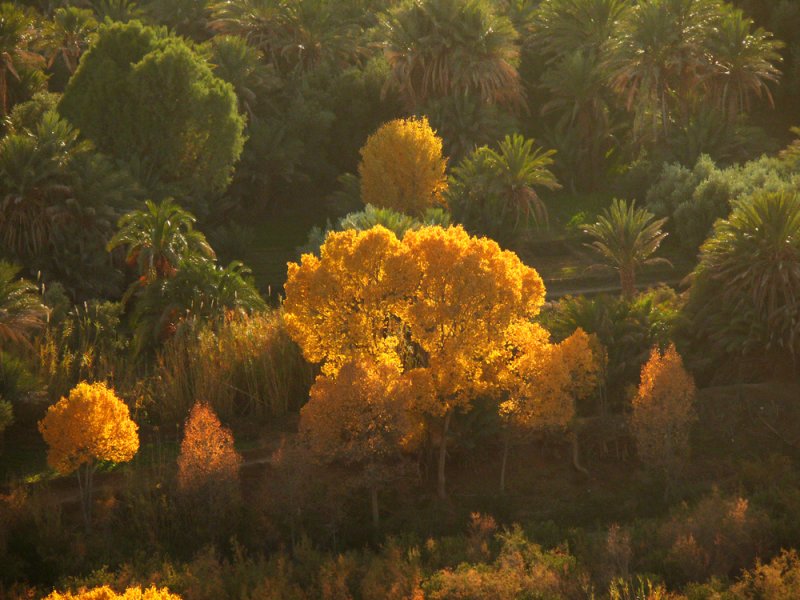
663,409
91,424
402,167
361,415
106,593
207,453
541,380
347,303
440,300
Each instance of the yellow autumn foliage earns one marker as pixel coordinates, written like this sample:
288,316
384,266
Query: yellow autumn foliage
91,424
469,292
106,593
402,167
346,304
542,381
663,410
207,453
434,306
362,415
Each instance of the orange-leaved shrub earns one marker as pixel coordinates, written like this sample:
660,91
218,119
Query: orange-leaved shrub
402,167
778,579
663,412
361,417
207,456
716,538
106,593
208,478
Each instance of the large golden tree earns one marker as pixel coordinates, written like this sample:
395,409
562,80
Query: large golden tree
437,306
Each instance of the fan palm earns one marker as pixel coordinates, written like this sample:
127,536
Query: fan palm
438,48
34,183
17,32
292,34
68,35
241,65
662,55
745,63
200,290
626,237
492,191
754,259
562,27
579,98
21,309
158,238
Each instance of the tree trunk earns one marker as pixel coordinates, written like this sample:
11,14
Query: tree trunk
4,90
627,282
84,474
576,453
506,444
441,484
376,515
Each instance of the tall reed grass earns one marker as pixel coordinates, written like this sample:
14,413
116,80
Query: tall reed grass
247,368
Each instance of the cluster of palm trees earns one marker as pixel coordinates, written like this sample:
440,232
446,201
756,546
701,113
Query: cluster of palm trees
179,280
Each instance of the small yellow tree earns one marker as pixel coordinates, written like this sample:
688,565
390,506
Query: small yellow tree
542,382
207,456
361,418
91,425
663,412
402,167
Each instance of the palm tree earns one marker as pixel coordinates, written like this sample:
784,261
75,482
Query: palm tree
120,11
492,191
21,309
17,32
661,57
158,238
753,260
626,237
438,48
200,290
562,27
34,183
745,63
579,98
292,34
68,35
234,61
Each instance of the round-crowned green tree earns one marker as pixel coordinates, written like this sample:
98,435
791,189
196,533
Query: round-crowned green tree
146,98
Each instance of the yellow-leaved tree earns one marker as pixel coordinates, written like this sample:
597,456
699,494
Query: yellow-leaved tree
207,456
663,413
540,382
402,167
90,425
361,418
435,305
106,593
469,292
347,304
208,475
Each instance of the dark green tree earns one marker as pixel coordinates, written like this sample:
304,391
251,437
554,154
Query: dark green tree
146,98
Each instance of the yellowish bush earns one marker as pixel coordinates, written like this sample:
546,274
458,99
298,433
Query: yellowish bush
106,593
402,167
663,412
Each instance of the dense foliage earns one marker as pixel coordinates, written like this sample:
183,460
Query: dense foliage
450,182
